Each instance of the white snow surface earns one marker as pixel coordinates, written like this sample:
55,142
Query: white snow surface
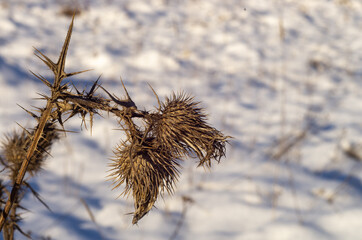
266,71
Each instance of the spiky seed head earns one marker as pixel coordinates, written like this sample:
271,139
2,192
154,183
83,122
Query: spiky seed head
180,125
15,146
146,171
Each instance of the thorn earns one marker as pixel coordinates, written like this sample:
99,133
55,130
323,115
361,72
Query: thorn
38,109
83,120
72,114
158,100
41,78
46,60
128,103
39,99
25,130
21,231
76,89
75,73
64,87
44,96
42,149
91,114
37,195
31,114
60,120
124,87
65,131
93,88
60,74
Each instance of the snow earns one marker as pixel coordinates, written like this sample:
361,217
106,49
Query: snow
265,71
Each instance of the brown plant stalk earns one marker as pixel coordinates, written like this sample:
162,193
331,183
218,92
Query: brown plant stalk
59,73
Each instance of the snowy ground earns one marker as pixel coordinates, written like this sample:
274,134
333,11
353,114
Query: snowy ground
283,77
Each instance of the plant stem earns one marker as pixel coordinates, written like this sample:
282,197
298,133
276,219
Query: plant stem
24,166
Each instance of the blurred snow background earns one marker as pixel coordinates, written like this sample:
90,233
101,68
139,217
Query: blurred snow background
283,77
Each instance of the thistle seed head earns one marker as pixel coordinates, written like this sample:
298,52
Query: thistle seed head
15,145
146,171
180,125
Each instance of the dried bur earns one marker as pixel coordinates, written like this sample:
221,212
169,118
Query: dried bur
180,125
146,170
148,161
15,147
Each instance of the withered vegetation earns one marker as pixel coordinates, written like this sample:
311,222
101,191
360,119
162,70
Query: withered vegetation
146,162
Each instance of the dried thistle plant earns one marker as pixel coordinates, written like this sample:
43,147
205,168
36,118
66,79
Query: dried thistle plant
146,163
16,144
149,162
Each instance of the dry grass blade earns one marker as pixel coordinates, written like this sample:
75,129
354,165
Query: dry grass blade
87,208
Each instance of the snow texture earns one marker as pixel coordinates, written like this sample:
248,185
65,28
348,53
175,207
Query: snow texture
283,77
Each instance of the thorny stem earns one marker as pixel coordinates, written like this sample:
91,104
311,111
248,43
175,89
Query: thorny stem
101,104
24,165
59,75
59,93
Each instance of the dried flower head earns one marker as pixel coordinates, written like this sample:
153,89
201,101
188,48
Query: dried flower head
180,126
16,144
146,170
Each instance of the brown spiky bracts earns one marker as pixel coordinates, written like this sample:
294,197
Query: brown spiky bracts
15,145
180,125
145,169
